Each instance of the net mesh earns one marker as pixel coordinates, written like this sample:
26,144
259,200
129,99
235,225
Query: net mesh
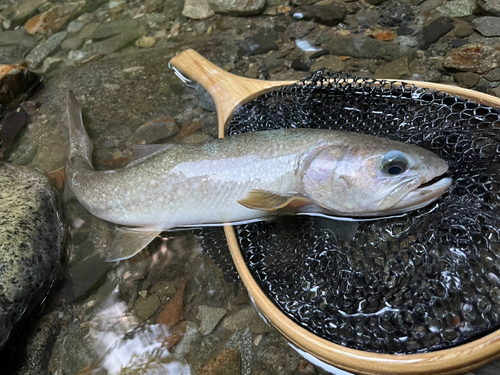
426,281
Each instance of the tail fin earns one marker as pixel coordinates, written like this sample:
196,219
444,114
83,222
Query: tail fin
80,148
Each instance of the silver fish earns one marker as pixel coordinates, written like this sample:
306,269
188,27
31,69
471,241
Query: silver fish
250,177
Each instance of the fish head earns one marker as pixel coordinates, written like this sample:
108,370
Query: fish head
378,177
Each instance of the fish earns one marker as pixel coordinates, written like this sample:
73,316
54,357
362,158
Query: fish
249,177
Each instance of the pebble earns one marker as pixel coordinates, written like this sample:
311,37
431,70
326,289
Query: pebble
209,318
72,43
367,48
463,29
434,31
329,15
487,26
146,42
17,38
490,6
257,44
197,9
114,43
238,7
88,30
458,8
242,340
397,69
330,62
110,29
227,363
42,51
493,75
75,26
394,13
206,346
473,58
145,308
239,320
467,79
190,336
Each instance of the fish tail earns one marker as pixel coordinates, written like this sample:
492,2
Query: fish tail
80,147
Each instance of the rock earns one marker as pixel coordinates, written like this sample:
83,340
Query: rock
458,8
206,346
17,38
110,29
397,69
368,48
87,274
154,131
226,363
434,31
330,15
278,362
42,51
72,43
12,54
173,9
52,63
487,26
20,11
190,336
240,320
426,69
88,30
31,238
238,7
476,38
394,13
197,9
242,340
305,368
299,66
316,55
145,307
146,42
209,317
457,43
297,30
114,43
473,58
463,29
490,6
330,62
404,30
257,44
74,26
493,75
467,79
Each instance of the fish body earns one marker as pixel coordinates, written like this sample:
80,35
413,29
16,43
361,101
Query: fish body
30,243
251,176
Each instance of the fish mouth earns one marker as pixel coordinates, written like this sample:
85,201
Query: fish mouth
426,192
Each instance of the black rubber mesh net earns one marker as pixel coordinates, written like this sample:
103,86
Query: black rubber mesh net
426,281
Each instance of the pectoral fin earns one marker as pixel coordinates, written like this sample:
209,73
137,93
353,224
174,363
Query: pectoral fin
268,201
129,241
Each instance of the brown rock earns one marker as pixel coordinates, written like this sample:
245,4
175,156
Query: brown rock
226,363
467,79
476,58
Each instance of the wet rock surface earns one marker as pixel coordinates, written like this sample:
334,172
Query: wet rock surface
114,56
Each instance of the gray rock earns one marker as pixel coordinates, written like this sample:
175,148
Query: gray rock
330,62
297,30
114,43
110,29
242,340
490,6
18,37
145,307
75,26
425,69
87,274
473,58
190,337
458,8
278,362
88,30
197,9
487,26
173,9
493,41
31,238
72,43
329,15
493,75
368,48
11,54
434,31
21,11
238,7
42,51
463,29
206,346
259,43
209,317
394,13
240,319
154,131
397,69
467,79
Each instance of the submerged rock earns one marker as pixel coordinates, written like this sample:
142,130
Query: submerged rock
329,15
490,6
487,26
238,7
197,9
31,237
434,31
473,58
458,8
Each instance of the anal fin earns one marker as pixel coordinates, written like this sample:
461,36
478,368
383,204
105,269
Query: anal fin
129,241
268,201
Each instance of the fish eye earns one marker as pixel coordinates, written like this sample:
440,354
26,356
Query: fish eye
394,163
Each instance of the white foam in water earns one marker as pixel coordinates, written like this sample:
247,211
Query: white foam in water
305,46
